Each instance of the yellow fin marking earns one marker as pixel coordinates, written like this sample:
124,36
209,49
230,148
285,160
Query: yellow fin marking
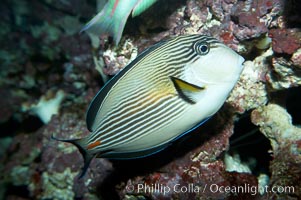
187,91
186,86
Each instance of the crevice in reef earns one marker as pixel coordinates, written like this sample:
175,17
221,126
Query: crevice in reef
13,126
18,191
250,144
293,105
290,100
292,13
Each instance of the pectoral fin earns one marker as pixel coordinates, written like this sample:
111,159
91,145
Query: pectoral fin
187,91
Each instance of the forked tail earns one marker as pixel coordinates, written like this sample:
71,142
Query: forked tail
110,20
80,144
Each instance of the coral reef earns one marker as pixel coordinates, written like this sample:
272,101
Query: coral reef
50,72
276,124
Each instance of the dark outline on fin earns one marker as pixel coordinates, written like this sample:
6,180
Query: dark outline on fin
181,93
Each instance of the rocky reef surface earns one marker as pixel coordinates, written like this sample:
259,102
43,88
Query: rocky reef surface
251,149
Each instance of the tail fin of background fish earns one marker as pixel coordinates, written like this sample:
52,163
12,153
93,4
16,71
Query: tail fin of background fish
110,20
80,144
141,6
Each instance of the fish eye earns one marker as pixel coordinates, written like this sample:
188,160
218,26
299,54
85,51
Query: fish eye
202,48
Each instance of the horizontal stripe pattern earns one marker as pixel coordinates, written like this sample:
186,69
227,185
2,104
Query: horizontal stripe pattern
144,99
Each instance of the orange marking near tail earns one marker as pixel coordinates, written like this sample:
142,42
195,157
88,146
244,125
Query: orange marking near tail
94,144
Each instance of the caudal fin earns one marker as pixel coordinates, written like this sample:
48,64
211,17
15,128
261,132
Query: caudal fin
110,20
80,144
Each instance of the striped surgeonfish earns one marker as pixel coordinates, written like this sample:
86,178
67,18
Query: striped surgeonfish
168,90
